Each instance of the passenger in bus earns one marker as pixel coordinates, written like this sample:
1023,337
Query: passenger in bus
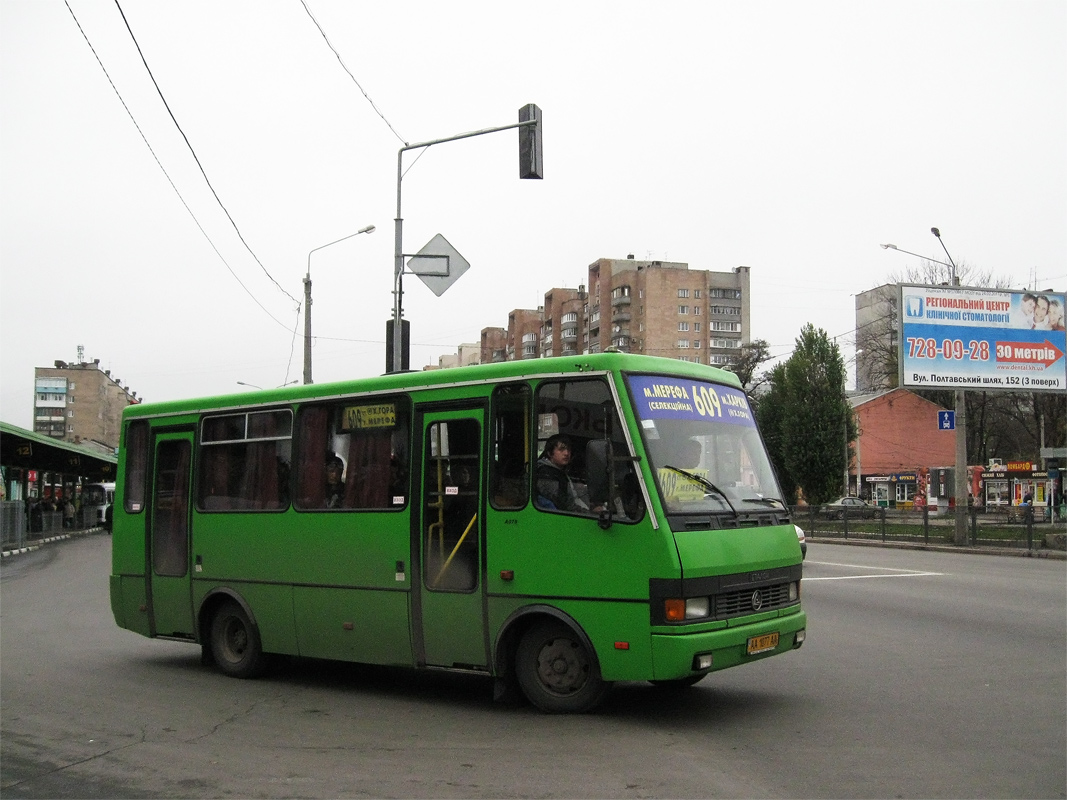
335,485
555,489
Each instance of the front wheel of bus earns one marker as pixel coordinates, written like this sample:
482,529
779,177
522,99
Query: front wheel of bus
235,642
556,671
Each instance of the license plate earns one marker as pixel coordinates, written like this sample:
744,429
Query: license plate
761,644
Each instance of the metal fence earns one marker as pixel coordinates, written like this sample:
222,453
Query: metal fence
1019,527
19,526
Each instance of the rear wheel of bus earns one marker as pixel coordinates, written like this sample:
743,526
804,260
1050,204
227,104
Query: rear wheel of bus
556,670
235,644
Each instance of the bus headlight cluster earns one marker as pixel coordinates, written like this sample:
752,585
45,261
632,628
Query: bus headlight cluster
794,591
676,609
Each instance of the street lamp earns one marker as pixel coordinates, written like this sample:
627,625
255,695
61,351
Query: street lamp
934,260
960,403
307,301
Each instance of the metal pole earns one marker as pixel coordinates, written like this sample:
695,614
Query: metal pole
398,270
307,324
961,489
307,300
398,245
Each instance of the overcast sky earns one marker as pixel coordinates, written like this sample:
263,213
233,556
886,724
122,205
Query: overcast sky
792,138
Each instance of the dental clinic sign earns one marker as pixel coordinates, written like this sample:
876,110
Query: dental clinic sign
959,337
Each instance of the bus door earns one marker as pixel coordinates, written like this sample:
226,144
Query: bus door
169,589
449,604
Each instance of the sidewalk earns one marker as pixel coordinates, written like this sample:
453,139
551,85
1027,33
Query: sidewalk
36,543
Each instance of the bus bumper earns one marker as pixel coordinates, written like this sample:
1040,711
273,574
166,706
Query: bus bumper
680,655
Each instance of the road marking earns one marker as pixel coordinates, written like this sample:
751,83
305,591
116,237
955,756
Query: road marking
903,573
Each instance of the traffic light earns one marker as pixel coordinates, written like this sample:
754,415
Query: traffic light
531,164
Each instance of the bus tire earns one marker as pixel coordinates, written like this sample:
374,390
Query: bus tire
556,671
235,644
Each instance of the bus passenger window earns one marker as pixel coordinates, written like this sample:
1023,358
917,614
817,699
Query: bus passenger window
509,468
244,461
353,455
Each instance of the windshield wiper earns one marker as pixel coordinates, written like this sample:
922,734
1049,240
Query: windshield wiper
700,479
765,501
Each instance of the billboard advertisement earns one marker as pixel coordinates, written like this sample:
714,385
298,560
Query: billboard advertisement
963,337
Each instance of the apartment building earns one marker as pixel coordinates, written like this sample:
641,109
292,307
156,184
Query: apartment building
663,308
80,403
877,338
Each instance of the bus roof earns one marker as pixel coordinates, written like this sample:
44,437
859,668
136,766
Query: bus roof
476,373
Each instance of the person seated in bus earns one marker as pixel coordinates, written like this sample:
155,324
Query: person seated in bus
555,489
335,485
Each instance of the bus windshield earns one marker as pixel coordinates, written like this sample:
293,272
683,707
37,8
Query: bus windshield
703,446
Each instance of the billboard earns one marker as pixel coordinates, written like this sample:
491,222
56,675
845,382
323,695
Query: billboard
965,337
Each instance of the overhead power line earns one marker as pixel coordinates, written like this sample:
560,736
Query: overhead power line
350,75
164,170
197,159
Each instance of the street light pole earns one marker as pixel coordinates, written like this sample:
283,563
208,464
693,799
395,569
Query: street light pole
307,302
961,488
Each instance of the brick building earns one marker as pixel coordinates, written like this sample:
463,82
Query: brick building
79,403
898,439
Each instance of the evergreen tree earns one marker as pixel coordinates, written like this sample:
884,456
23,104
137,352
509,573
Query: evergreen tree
817,423
769,410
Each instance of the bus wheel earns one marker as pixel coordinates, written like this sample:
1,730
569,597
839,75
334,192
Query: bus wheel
235,642
556,671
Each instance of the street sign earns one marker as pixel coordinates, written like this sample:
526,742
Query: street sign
946,420
438,264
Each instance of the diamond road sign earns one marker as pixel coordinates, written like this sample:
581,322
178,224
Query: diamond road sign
438,264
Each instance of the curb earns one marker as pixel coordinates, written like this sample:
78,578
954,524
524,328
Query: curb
38,543
1014,552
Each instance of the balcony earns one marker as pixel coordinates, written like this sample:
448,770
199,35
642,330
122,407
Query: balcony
621,316
621,300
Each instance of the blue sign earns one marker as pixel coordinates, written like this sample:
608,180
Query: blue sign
946,420
959,337
662,397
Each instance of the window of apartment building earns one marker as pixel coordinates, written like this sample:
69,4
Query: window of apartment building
726,326
683,309
731,311
620,291
696,327
683,293
683,326
696,294
725,343
569,317
726,294
696,344
683,343
696,309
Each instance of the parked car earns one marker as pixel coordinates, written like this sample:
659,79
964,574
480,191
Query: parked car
854,507
803,539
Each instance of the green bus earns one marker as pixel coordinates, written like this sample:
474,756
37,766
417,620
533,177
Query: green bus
558,524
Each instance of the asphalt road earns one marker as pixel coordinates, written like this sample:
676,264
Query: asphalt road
924,675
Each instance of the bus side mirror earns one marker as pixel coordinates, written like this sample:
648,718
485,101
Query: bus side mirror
598,470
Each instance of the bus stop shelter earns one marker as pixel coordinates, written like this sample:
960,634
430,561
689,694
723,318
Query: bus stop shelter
30,458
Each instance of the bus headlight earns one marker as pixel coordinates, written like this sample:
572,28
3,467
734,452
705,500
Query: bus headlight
677,610
794,591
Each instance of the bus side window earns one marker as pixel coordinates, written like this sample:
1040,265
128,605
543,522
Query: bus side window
244,461
136,466
370,440
511,448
